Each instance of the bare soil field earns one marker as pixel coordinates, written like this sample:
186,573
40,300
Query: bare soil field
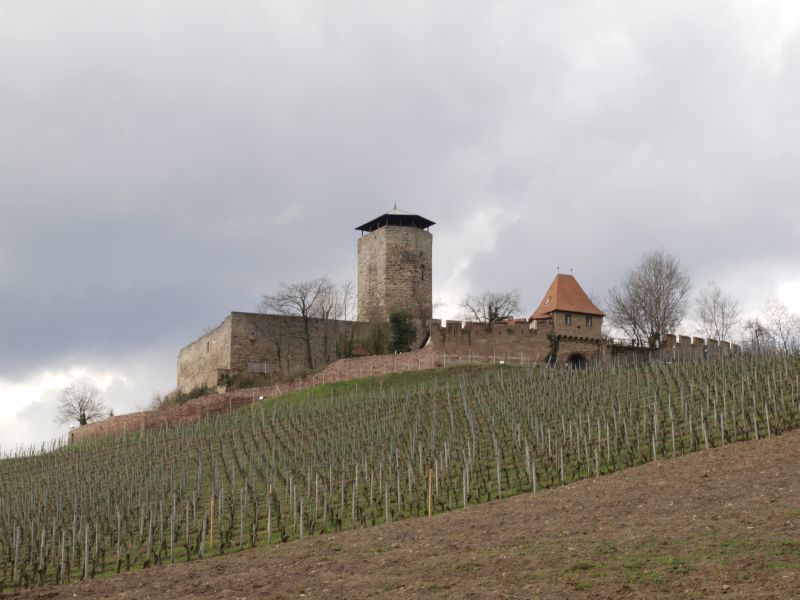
718,523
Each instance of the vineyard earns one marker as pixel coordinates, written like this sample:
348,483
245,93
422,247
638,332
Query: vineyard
354,455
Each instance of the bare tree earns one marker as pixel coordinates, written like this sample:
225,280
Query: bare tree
758,335
492,307
783,324
81,402
332,308
652,299
303,300
346,339
717,313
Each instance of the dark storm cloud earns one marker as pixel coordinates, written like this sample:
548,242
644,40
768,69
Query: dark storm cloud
163,164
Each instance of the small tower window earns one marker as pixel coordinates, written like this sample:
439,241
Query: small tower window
567,319
588,321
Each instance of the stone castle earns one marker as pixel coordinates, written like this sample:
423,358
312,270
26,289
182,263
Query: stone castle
395,264
395,273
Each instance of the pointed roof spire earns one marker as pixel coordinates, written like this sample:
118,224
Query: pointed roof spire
566,295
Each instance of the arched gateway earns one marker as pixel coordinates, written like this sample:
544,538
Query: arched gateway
577,361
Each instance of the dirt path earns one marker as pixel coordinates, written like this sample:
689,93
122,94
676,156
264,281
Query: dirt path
724,522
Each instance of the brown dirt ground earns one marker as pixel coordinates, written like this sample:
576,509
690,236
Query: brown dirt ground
720,523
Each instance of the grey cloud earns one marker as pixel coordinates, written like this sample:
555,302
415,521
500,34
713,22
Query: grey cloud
161,164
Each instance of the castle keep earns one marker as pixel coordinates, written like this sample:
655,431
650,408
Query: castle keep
395,264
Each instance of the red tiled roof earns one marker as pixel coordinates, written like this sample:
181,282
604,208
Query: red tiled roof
566,295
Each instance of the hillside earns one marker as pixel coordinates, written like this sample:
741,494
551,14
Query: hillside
363,453
717,523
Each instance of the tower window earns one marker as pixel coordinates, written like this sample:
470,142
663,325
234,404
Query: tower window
567,319
588,321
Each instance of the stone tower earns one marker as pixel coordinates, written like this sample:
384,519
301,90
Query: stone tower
395,260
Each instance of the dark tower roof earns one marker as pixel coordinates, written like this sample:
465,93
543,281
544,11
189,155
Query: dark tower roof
396,217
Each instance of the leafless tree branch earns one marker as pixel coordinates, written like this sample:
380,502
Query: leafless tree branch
492,307
782,324
80,402
716,312
652,299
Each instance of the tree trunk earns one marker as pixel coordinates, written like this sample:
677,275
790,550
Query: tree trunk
309,356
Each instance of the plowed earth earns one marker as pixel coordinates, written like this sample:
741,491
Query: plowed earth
718,523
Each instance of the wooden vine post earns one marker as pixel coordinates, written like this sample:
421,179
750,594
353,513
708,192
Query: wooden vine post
430,492
211,528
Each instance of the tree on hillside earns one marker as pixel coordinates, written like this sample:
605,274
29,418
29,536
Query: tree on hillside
302,299
783,325
757,335
335,308
492,307
81,402
652,299
717,313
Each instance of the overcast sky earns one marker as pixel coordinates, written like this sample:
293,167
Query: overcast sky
164,163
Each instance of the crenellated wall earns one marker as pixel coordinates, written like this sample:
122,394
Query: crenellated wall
502,339
683,346
526,342
530,341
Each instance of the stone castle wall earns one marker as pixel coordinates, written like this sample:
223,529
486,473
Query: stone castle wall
395,273
513,342
200,361
522,343
592,350
681,346
672,348
277,344
268,344
503,341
